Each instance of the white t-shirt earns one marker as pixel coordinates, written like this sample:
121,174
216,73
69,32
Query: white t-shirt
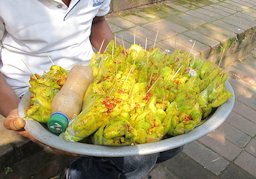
34,31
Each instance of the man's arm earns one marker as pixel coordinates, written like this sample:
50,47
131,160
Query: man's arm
8,106
8,99
100,32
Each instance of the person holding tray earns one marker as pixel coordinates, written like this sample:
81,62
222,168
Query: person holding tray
66,32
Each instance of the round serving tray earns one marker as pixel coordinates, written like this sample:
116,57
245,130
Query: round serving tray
43,135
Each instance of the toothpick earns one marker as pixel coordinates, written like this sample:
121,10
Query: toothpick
29,69
192,47
146,44
155,40
147,57
101,45
222,55
153,84
102,61
116,66
113,51
175,42
128,74
176,72
111,91
106,48
150,78
50,60
123,46
116,59
115,40
134,37
164,98
130,92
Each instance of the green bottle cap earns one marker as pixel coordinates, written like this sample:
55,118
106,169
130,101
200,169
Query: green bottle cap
57,123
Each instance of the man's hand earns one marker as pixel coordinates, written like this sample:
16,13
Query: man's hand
13,121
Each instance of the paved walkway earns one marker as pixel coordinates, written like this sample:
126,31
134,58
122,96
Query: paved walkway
221,31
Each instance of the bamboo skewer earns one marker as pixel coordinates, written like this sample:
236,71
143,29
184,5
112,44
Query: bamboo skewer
176,72
153,84
147,57
155,39
115,41
134,38
146,44
123,46
29,68
101,46
113,51
50,59
192,47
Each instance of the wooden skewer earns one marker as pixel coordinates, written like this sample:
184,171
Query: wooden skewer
50,60
134,37
123,46
101,45
29,68
111,91
128,74
147,57
115,59
102,61
146,44
153,84
176,72
113,51
155,39
150,78
222,55
115,40
106,48
130,92
175,42
192,47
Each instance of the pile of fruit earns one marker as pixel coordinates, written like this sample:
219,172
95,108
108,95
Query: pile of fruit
140,96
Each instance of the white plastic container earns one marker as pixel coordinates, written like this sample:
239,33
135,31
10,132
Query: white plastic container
67,103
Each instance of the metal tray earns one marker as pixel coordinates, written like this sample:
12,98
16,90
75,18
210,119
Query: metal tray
46,137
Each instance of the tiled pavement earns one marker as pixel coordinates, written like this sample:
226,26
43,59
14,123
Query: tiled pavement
220,30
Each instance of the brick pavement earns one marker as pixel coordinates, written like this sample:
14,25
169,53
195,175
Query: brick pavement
223,31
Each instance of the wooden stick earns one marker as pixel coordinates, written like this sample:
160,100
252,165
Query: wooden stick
102,61
101,45
192,47
29,68
222,55
176,72
123,46
106,48
153,84
128,74
115,40
134,37
50,60
113,51
150,78
155,40
111,91
130,92
146,44
147,57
